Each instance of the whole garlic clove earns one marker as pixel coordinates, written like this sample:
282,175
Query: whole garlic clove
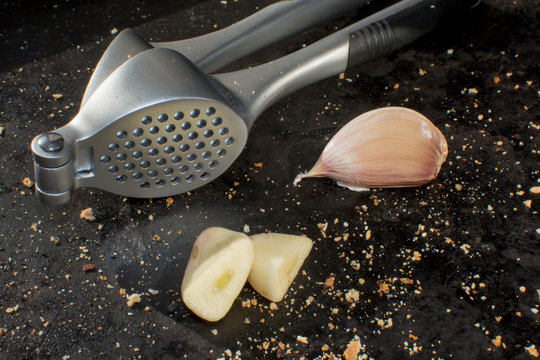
383,148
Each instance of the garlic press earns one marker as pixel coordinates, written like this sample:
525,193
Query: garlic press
154,124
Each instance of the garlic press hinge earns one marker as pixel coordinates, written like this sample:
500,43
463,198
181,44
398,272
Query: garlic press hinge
53,168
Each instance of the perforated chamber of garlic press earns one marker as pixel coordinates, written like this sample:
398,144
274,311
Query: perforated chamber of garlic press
167,149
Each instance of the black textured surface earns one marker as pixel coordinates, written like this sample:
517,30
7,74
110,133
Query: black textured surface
448,270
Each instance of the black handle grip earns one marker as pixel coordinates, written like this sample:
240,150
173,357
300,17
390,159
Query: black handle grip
397,26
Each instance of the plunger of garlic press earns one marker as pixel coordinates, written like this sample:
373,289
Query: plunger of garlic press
158,126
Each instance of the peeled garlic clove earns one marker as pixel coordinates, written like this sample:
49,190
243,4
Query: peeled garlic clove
387,147
277,260
216,272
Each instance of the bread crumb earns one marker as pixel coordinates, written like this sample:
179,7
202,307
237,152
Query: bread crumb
302,339
352,295
535,189
169,200
368,235
407,281
330,282
133,299
88,268
13,309
27,182
497,341
532,350
353,349
273,306
417,256
88,214
527,203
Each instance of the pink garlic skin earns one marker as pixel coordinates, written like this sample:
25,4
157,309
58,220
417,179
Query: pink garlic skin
383,148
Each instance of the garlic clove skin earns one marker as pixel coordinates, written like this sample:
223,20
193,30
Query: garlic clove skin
383,148
216,272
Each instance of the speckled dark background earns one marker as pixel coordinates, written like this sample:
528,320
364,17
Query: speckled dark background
448,270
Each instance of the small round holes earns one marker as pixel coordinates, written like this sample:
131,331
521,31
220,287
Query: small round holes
221,152
162,118
153,152
170,128
137,154
129,144
215,143
176,159
121,157
146,142
223,131
121,178
168,171
193,135
138,132
184,147
168,150
154,130
217,121
146,120
199,145
186,125
160,182
121,135
206,155
145,185
191,157
179,115
229,141
205,176
183,169
210,111
113,147
175,180
194,113
162,140
197,166
177,138
129,166
208,133
145,164
137,176
190,178
113,169
161,161
201,123
105,159
152,173
213,164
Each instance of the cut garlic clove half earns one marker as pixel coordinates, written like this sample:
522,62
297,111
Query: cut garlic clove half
277,260
216,272
383,148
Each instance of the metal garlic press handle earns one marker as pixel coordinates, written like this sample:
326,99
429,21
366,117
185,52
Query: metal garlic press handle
212,51
273,23
363,41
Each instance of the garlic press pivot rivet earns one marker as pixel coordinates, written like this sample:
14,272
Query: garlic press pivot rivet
51,142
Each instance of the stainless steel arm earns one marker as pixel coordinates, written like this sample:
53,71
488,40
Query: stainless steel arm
273,23
363,41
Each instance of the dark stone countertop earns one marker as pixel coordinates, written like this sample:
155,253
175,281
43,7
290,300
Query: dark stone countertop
446,270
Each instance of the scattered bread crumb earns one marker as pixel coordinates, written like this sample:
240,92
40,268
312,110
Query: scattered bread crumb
88,214
133,299
353,349
302,339
27,182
